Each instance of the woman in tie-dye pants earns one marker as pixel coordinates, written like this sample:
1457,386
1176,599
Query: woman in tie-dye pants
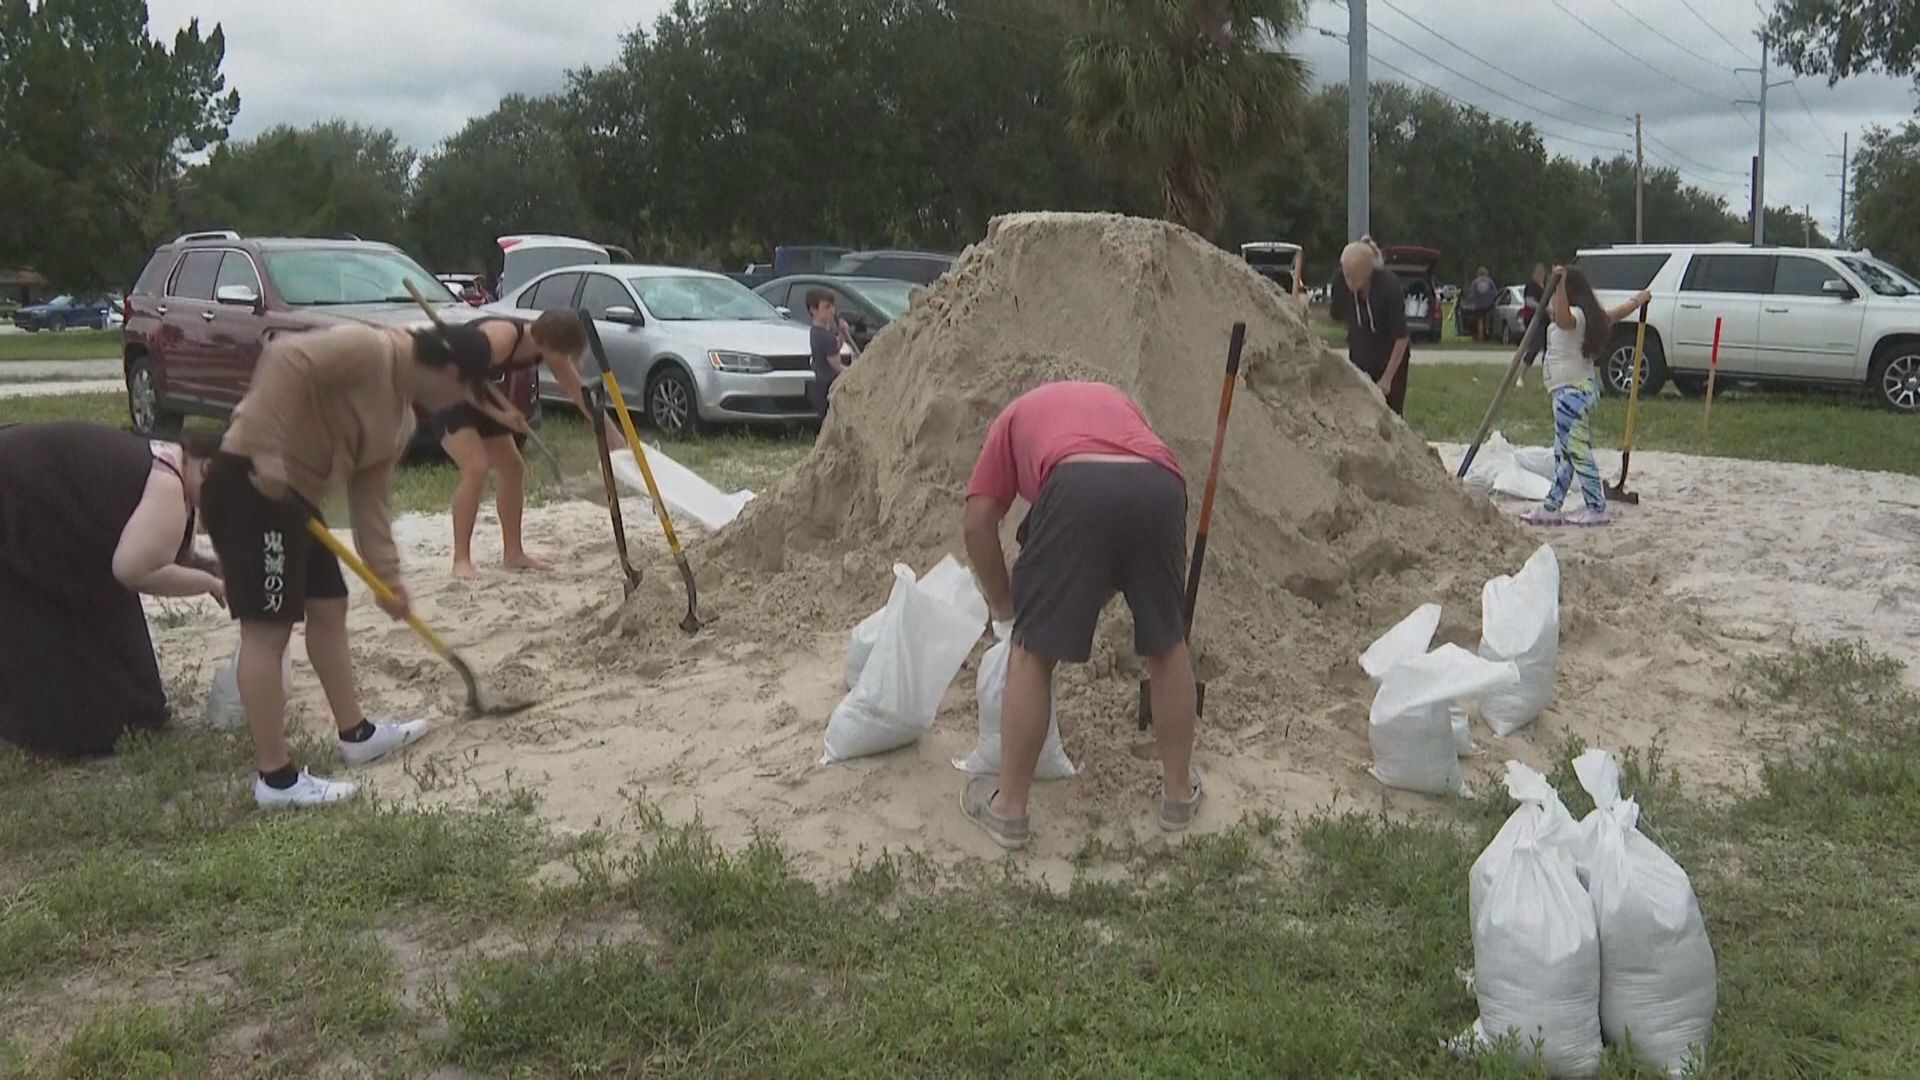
1577,337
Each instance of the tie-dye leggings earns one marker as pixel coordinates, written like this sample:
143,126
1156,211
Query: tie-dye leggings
1573,446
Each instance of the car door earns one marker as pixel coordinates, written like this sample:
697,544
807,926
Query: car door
626,343
1727,286
1806,332
237,329
187,314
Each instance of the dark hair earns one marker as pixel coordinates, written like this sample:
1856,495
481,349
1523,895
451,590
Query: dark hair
455,347
1593,340
560,331
817,297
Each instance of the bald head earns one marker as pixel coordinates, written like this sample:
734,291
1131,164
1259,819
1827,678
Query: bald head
1357,264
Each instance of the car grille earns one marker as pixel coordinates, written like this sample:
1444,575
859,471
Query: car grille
790,363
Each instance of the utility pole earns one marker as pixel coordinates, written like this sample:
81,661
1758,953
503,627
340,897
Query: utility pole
1841,240
1639,181
1359,139
1760,161
1806,220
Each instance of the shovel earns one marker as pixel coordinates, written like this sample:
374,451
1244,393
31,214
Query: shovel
1618,492
1512,379
479,701
553,463
612,492
1236,343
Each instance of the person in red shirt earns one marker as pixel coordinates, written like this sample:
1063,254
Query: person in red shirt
1109,514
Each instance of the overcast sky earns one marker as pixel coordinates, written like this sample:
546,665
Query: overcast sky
424,67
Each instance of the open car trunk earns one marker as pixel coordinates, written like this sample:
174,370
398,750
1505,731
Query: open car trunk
1414,267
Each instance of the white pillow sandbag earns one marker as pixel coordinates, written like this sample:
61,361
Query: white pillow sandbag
990,687
1536,949
1520,621
1410,637
1462,725
1410,727
224,711
1537,460
948,581
1499,466
1657,978
920,643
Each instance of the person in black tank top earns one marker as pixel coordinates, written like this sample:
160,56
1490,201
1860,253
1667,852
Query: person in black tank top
90,518
479,442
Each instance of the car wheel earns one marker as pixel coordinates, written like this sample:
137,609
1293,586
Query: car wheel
143,403
672,406
1896,377
1616,374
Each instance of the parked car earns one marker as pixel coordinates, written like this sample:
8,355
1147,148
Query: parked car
866,303
1449,293
1414,267
919,267
64,312
207,304
688,346
1786,316
526,256
1276,261
788,260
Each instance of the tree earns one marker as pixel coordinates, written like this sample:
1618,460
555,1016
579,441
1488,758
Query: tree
1182,91
1838,38
95,119
1887,180
509,171
333,177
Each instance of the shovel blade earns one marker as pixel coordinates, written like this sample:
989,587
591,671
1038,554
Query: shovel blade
1146,702
479,701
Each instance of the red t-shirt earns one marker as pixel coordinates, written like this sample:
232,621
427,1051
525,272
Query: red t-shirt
1044,427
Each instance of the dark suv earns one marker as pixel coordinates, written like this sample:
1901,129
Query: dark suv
208,302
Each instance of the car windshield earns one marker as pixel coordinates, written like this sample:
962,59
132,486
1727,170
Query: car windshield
323,277
63,300
700,299
1880,277
891,297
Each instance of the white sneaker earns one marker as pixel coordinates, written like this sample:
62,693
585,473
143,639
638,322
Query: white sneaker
388,736
309,790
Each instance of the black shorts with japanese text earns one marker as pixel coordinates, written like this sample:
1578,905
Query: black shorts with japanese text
271,564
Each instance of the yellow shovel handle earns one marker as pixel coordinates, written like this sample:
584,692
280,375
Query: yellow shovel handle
380,589
640,456
1633,385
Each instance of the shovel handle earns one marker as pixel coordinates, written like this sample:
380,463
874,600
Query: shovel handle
380,588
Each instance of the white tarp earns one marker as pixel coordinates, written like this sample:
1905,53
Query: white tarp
687,495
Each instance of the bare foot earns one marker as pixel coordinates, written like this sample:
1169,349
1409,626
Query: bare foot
524,561
463,568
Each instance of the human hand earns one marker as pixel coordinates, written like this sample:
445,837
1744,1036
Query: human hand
1385,384
1642,298
1002,629
397,606
217,589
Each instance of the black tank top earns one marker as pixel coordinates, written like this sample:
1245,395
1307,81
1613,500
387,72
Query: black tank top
67,490
519,335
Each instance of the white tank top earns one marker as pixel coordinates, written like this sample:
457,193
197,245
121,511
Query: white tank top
1564,364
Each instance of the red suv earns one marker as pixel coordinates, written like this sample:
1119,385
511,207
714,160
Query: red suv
208,302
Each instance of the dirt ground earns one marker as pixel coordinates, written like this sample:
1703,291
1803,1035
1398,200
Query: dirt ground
726,727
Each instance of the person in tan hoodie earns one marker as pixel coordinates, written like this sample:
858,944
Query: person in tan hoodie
327,409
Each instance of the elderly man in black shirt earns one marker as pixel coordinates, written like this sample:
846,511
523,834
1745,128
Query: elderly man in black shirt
1367,298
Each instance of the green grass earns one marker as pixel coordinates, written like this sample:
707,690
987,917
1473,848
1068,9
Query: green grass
1446,402
1326,949
61,345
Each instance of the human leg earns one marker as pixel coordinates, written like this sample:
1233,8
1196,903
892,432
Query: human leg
1023,728
469,455
1152,567
509,499
1580,452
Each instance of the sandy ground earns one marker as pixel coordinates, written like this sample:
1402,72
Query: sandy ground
726,728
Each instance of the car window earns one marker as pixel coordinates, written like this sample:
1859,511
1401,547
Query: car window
237,269
194,280
700,299
552,293
1729,274
1797,275
1882,278
890,297
601,293
1625,271
323,277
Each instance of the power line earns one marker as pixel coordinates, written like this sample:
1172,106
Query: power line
1716,31
1657,141
1508,97
1803,108
1665,37
1480,108
1528,83
1635,57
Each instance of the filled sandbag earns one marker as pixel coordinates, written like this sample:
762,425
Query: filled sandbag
1536,948
990,688
1657,976
1520,621
224,712
1410,726
919,645
949,581
1410,637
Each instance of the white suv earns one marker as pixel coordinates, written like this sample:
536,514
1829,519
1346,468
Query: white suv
1807,316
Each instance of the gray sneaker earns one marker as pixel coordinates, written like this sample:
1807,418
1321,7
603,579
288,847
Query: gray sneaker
976,801
1176,815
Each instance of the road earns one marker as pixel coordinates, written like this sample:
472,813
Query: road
58,387
68,370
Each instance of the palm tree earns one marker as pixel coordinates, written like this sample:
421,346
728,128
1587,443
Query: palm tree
1181,90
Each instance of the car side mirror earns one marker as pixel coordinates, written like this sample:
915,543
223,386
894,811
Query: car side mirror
625,316
1839,288
785,312
237,296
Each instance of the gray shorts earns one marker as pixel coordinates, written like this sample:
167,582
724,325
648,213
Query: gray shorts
1102,527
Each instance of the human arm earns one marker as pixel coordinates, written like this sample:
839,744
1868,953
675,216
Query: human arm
1560,308
369,509
1629,306
1397,330
989,559
143,560
1339,299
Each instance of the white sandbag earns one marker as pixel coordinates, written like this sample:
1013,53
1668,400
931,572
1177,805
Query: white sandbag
1657,978
1537,460
990,687
1409,728
1520,621
1536,950
1494,454
224,711
921,643
1462,725
948,581
684,491
1410,637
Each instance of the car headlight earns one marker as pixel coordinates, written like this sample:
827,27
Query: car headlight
738,363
